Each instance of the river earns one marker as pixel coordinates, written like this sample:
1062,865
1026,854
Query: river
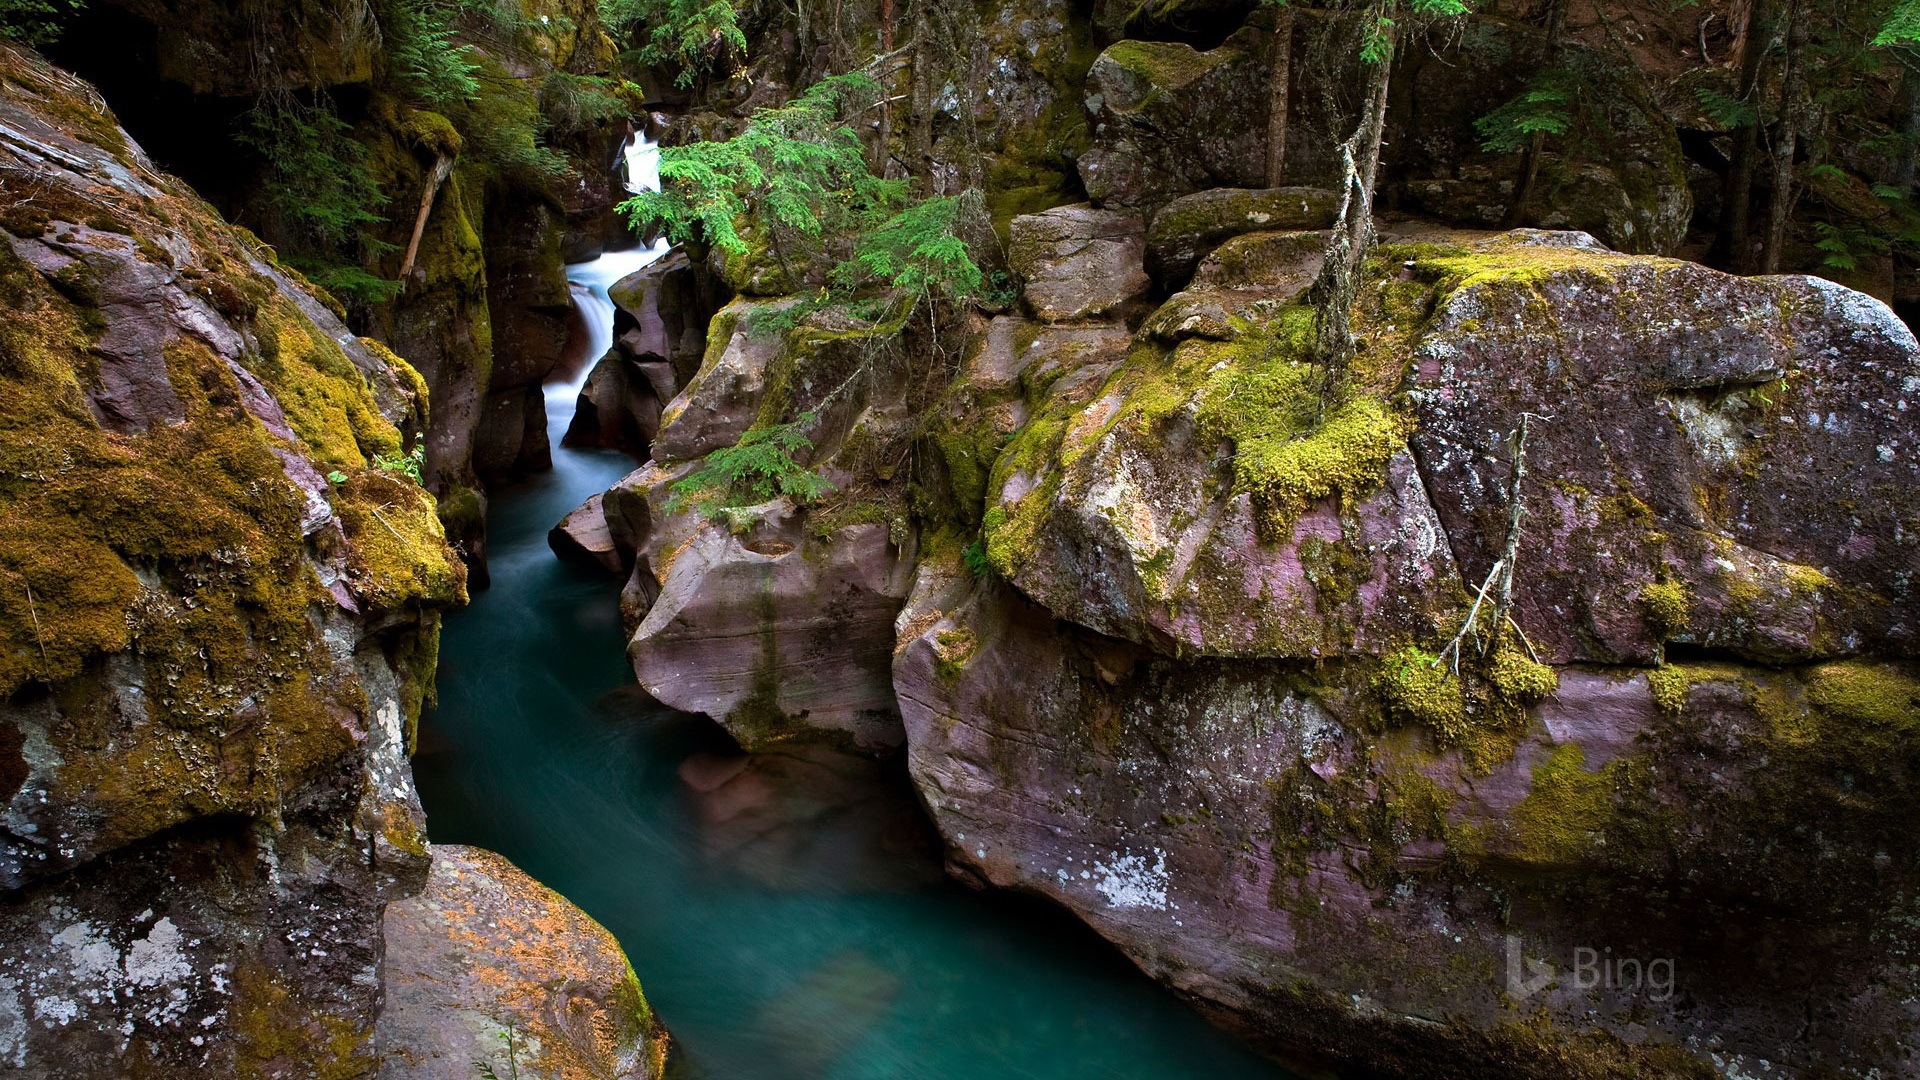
786,913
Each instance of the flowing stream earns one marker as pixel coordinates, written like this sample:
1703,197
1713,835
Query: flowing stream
786,912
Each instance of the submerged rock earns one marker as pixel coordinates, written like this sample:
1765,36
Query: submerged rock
487,966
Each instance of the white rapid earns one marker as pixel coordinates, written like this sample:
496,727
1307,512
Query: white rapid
590,281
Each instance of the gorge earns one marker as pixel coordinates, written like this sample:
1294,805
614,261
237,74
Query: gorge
1374,539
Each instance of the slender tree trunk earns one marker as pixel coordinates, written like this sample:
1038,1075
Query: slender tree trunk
1279,86
1786,144
1537,142
1904,165
1737,200
920,97
1338,285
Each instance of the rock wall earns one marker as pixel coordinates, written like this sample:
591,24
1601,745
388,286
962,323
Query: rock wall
1185,679
1199,702
220,600
483,310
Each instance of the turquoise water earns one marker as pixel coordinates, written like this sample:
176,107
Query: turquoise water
786,914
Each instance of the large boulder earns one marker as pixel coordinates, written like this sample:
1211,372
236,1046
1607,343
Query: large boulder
1189,228
1252,836
1730,458
1206,699
1169,120
220,624
1077,262
776,633
486,966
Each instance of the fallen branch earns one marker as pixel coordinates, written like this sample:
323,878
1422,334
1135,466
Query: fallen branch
442,168
1499,579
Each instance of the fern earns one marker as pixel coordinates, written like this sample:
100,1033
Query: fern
1726,110
1843,247
753,470
575,103
420,44
317,175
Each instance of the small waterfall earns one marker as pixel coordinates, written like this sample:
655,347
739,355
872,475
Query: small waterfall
590,281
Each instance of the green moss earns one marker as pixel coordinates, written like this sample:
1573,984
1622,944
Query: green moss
1418,688
1346,456
400,554
1668,607
1866,693
1508,263
324,397
1165,65
952,649
1520,680
272,1026
1566,812
1670,687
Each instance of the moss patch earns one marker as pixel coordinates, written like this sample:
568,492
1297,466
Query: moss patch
1867,693
1566,812
1670,687
1668,607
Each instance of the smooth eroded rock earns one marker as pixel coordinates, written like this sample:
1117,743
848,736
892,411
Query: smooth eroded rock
488,966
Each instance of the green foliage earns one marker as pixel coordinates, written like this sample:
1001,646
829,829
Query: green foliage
573,103
36,22
352,283
692,35
1843,246
420,43
318,184
792,168
1902,26
1725,109
1383,16
751,471
977,560
1545,107
920,251
408,465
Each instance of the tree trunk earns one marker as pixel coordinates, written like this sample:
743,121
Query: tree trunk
1786,144
1737,201
1279,86
1338,285
1537,142
920,99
